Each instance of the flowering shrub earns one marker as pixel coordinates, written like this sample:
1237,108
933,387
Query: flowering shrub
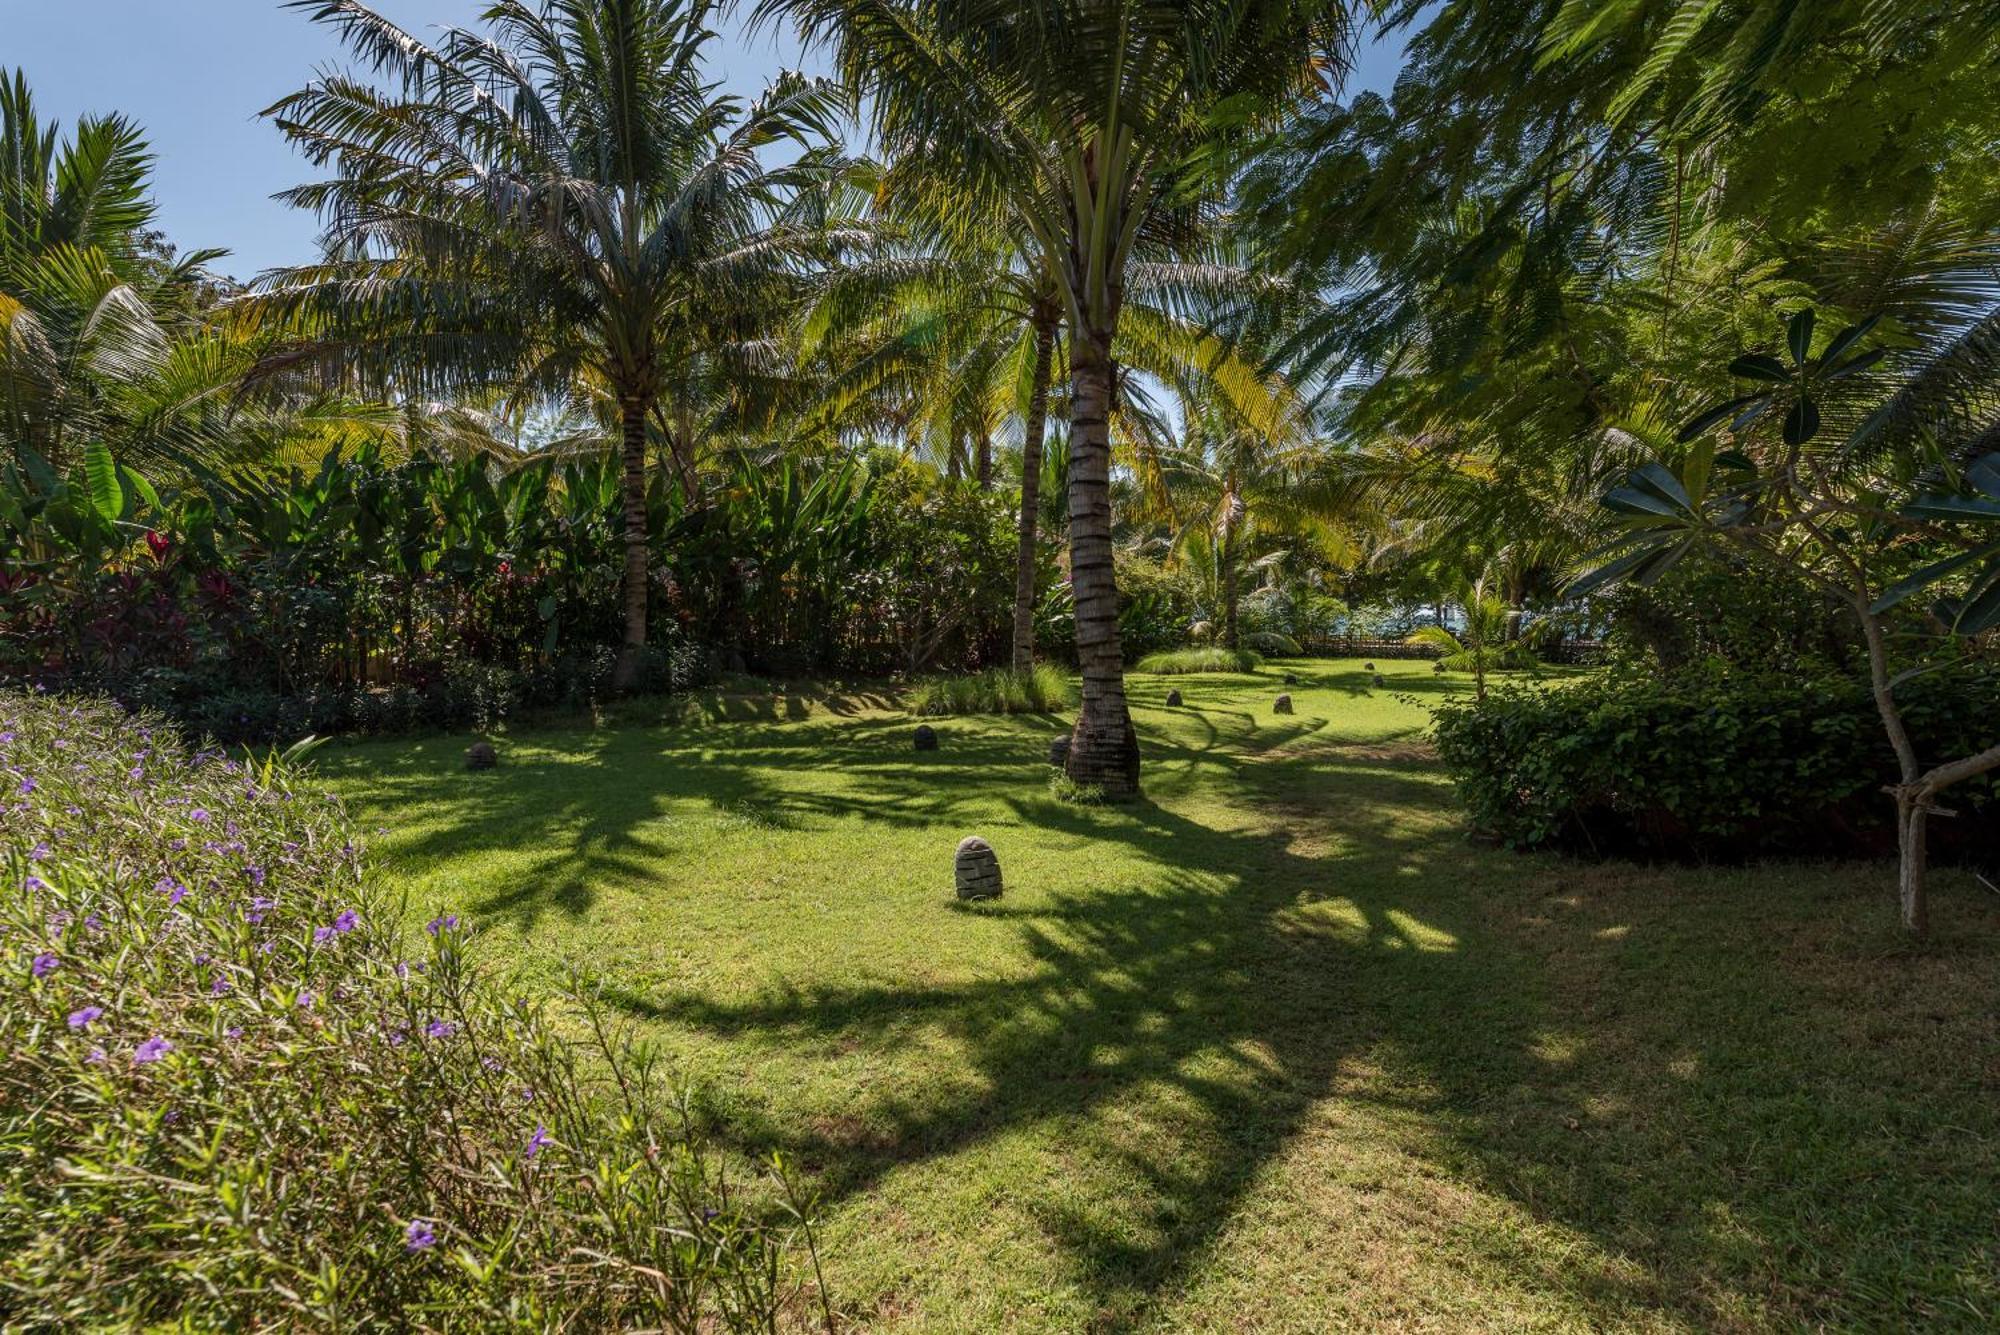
233,1094
368,596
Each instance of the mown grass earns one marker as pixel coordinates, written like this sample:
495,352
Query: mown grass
1275,1048
1042,689
1211,658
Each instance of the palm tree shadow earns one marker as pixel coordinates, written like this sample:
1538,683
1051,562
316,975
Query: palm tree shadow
1212,1005
1165,1041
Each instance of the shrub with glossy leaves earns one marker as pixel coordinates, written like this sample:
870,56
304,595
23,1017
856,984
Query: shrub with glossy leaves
235,1095
1713,765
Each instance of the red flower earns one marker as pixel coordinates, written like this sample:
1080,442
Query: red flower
505,568
159,543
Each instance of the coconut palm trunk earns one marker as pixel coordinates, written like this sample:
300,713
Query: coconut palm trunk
1104,750
1033,429
626,674
1231,636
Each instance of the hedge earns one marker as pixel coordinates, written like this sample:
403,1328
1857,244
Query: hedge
1723,767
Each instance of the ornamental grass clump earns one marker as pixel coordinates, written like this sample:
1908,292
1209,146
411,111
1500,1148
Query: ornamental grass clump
1170,662
234,1094
1042,689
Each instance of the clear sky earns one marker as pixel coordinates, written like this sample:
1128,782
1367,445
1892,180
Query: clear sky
195,73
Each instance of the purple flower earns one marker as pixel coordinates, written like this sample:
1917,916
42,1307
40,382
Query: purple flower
447,923
151,1050
94,923
255,873
234,1031
97,1057
219,986
172,889
305,1001
27,786
347,921
441,1028
45,964
536,1141
419,1236
39,851
34,883
322,935
199,814
81,1019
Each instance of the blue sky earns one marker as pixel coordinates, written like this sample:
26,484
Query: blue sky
195,73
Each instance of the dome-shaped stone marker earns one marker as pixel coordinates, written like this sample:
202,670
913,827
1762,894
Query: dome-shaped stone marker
976,870
481,755
1173,699
1282,705
1291,679
1059,750
1367,667
1379,680
926,737
1438,668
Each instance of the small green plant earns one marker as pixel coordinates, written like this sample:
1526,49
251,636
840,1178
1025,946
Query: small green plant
1043,689
1210,659
237,1097
1065,789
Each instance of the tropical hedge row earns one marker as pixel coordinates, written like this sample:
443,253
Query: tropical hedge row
1715,765
364,594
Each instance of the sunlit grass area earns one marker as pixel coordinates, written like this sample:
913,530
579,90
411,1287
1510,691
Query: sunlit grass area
1276,1048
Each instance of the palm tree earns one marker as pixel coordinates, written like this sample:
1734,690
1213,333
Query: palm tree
1087,121
564,198
107,336
951,339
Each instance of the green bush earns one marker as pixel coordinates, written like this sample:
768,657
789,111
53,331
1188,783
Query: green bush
1713,767
1717,607
1273,644
236,1097
1212,659
1043,689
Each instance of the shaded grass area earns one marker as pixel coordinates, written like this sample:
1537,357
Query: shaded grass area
1275,1048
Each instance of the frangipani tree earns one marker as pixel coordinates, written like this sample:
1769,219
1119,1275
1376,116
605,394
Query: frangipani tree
1870,522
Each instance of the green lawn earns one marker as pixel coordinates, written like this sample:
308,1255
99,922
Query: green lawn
1278,1048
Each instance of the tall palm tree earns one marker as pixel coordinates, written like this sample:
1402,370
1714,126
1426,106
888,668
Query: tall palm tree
1228,485
106,335
562,197
1089,121
939,326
